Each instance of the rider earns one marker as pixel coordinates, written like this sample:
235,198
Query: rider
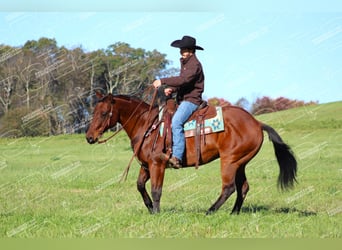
189,86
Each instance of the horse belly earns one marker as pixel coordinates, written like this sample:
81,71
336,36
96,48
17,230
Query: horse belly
208,150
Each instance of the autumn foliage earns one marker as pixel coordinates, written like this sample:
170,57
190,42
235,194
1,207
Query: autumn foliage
266,104
262,105
218,102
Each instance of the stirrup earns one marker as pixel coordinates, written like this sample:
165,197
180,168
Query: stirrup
164,157
175,163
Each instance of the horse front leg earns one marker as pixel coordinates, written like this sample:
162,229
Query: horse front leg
143,177
157,171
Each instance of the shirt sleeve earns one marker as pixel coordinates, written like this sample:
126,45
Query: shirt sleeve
188,74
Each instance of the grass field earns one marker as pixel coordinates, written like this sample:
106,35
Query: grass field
61,187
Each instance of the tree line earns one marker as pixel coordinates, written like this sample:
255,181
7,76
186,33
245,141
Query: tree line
46,89
263,105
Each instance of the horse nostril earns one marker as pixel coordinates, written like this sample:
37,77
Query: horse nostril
90,140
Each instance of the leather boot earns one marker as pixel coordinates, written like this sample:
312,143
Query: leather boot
175,162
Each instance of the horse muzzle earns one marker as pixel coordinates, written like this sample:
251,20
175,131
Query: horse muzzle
91,140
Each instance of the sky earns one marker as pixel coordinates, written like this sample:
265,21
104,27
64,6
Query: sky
251,48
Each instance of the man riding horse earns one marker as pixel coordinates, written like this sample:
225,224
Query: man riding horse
236,144
189,86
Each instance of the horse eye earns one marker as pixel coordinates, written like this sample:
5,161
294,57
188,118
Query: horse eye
104,113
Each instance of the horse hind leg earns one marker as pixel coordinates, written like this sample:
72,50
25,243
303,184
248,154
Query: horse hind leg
228,186
242,188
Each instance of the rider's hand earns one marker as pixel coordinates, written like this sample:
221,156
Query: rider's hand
156,83
168,91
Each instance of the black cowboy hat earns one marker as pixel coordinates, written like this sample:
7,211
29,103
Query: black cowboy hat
186,42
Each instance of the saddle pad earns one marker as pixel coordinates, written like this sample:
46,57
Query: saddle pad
211,125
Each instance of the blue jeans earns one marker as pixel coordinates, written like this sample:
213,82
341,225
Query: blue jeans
184,111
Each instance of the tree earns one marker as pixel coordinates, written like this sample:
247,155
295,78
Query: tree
129,70
242,103
266,104
49,89
215,101
263,105
9,77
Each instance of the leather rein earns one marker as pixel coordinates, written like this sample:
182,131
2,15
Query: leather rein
110,114
140,142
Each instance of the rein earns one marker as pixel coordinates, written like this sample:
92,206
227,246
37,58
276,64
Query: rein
122,126
129,118
140,142
136,151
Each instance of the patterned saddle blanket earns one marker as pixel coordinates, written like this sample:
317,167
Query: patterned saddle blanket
210,125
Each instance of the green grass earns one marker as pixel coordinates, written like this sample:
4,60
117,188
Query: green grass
61,187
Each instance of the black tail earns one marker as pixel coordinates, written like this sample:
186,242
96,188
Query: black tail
286,160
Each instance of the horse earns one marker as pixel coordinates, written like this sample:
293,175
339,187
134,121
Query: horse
240,141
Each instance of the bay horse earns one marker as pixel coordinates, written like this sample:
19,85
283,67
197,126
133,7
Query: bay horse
235,146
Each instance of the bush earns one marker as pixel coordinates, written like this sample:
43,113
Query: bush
266,104
19,122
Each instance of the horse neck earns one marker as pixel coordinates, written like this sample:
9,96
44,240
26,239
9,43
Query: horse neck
133,115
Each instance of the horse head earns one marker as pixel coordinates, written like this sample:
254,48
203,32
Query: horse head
105,116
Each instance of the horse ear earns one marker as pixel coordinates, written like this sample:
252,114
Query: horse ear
98,94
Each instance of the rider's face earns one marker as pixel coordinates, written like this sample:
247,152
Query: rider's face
185,52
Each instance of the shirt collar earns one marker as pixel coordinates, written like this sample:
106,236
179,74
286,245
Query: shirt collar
184,61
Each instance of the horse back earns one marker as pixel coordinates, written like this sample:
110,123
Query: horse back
237,116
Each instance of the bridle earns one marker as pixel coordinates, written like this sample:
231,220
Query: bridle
110,114
140,142
109,117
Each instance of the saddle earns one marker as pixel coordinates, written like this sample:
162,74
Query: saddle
203,112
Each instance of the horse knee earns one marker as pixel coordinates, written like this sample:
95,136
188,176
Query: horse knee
140,186
142,179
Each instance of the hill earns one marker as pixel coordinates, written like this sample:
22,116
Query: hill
323,116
